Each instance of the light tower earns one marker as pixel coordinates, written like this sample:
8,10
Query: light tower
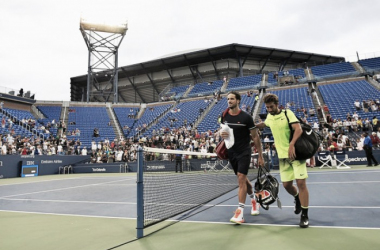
103,41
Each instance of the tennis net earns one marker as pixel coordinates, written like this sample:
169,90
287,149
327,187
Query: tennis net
171,182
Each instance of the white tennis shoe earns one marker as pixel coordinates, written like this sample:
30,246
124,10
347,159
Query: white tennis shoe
238,217
255,207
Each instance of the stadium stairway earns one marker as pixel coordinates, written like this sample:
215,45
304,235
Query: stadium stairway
358,67
141,111
224,87
372,82
205,112
258,106
36,113
64,116
265,80
318,101
309,74
114,123
188,91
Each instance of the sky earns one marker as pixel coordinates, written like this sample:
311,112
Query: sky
42,47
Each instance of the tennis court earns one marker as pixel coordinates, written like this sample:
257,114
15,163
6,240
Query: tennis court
98,211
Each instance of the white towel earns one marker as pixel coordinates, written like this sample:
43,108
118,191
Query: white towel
231,139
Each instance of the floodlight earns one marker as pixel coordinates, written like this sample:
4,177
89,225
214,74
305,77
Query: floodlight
103,41
103,27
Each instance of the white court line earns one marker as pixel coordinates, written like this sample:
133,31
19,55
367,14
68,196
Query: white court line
276,225
328,207
121,184
9,184
60,189
66,201
188,221
358,171
206,205
73,178
75,215
341,182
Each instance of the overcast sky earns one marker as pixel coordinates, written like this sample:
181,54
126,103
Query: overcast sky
42,47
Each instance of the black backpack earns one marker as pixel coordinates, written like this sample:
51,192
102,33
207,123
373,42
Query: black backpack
266,189
308,143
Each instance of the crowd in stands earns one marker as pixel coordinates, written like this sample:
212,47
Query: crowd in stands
336,137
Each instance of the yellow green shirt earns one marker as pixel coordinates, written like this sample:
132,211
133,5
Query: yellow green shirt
280,131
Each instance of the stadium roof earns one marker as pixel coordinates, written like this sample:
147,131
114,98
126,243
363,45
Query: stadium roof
229,51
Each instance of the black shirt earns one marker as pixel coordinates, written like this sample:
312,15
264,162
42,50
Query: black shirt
242,124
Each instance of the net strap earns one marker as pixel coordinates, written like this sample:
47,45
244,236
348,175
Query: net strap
183,152
178,152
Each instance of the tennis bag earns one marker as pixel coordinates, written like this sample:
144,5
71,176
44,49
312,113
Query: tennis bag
266,189
221,149
308,143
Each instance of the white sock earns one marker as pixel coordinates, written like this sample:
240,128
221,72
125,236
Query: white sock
241,206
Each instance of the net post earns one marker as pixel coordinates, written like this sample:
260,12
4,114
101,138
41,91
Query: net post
140,194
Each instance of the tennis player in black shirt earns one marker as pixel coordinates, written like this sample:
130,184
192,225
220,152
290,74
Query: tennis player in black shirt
240,153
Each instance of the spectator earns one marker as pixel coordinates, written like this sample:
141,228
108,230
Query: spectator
340,144
357,105
319,112
374,123
367,146
311,112
333,146
326,109
365,106
375,140
96,132
316,126
313,93
348,144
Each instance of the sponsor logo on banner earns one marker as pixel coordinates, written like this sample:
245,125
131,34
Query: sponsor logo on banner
155,167
27,156
30,163
357,159
98,169
51,161
204,165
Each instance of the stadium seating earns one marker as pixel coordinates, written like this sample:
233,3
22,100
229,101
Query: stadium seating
245,82
342,69
184,110
178,91
51,113
149,116
340,98
300,98
86,119
297,73
126,116
205,88
210,120
22,114
371,65
18,130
